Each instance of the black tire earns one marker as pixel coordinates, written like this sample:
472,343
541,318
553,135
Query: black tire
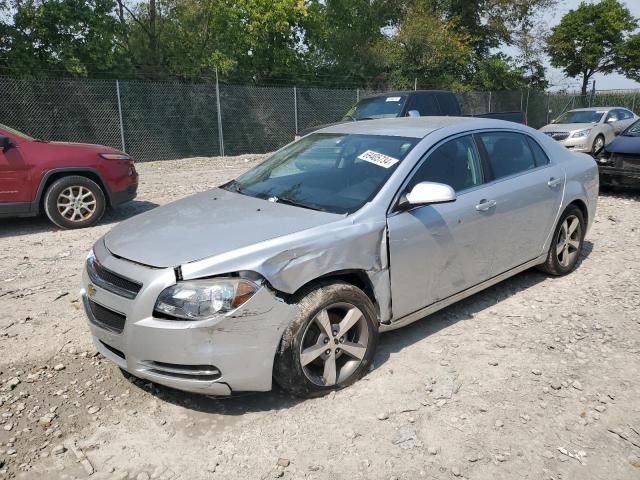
74,183
289,372
595,149
554,265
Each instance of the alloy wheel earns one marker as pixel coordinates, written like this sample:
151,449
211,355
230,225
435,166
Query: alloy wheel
569,238
334,344
76,203
598,144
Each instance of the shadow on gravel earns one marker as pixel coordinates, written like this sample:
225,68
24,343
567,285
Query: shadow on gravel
626,193
391,342
15,227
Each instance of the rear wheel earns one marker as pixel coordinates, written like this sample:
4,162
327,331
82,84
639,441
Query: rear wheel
566,243
74,202
331,343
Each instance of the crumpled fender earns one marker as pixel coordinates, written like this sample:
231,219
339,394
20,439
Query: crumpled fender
290,262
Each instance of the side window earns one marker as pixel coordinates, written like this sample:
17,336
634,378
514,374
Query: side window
625,114
455,163
538,154
612,116
508,153
423,103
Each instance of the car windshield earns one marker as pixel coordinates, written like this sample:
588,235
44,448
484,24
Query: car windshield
377,107
580,116
336,173
633,130
15,132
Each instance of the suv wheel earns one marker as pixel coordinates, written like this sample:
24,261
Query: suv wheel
74,202
331,343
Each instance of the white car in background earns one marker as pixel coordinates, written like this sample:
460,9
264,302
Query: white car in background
587,130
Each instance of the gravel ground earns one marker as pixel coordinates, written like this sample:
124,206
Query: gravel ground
534,378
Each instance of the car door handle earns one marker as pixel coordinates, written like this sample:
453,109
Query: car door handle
554,182
485,205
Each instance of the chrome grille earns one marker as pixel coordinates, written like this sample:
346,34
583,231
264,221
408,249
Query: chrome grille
558,135
111,281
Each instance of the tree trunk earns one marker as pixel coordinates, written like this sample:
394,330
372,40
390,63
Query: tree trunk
585,83
153,32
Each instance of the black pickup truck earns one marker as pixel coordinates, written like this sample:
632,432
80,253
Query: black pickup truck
412,103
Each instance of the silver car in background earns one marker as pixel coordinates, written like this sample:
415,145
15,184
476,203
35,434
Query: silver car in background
291,271
587,130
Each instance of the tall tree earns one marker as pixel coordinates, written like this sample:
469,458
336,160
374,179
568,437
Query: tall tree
77,37
591,39
426,47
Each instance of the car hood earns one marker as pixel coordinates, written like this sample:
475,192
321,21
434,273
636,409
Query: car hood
566,127
625,145
207,224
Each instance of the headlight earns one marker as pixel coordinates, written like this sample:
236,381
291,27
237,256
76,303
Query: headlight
115,156
202,299
581,133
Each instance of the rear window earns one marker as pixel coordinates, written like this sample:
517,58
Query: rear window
387,106
509,153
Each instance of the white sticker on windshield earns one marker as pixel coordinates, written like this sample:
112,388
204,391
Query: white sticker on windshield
379,159
393,99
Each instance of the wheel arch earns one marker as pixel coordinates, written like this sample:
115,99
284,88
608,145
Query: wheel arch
355,277
583,208
51,176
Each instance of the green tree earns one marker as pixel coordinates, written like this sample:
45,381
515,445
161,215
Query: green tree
74,37
425,47
340,35
591,39
629,58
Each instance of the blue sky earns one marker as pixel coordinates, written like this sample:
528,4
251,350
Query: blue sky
603,82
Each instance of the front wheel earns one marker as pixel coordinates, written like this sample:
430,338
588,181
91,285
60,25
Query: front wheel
330,344
74,202
598,145
566,243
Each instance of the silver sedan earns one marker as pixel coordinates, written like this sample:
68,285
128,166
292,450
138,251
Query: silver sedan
291,271
587,130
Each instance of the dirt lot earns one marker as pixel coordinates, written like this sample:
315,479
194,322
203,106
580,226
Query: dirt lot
535,378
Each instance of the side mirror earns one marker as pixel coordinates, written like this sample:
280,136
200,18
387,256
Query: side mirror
6,143
413,113
427,193
612,119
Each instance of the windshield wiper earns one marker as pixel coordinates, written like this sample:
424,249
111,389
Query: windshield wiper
288,201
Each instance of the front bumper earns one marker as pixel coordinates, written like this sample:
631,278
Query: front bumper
231,352
126,195
582,144
619,169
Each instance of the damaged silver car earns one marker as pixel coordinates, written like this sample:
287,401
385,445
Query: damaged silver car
291,271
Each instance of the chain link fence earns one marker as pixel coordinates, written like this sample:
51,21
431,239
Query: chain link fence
166,120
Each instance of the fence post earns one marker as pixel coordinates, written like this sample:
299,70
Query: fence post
357,95
489,101
220,136
295,106
120,116
633,103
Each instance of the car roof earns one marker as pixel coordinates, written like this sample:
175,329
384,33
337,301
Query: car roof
414,127
404,92
595,109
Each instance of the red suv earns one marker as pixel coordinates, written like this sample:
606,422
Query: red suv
73,183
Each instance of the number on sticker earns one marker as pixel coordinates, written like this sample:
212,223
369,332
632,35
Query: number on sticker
379,159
